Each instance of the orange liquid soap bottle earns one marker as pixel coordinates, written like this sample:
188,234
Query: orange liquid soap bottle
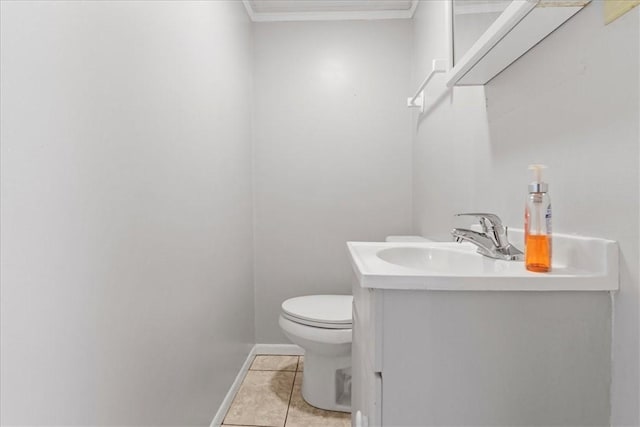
537,224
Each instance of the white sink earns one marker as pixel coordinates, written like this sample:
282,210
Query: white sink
579,263
445,260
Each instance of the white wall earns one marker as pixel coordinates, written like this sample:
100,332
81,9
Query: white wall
127,289
571,103
332,153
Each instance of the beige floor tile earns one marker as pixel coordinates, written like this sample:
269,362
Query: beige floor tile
262,399
301,414
300,363
274,363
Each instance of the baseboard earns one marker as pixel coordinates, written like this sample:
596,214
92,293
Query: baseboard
284,349
228,399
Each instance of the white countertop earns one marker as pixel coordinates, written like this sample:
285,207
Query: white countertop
579,264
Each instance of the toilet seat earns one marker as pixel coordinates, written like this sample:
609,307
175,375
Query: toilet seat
321,311
312,337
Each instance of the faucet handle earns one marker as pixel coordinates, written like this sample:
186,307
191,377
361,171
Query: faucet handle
493,220
492,227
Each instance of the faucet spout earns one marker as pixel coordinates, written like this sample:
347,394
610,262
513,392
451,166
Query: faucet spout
485,244
492,241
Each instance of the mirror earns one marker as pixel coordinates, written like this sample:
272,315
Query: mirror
471,18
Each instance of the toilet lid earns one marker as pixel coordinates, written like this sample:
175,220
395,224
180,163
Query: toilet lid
320,309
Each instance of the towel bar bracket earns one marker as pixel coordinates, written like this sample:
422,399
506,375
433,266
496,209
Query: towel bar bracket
417,101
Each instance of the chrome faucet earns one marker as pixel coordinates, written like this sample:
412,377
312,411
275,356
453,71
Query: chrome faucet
492,241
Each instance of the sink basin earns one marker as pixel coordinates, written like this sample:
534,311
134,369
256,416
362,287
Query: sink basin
433,259
580,263
451,260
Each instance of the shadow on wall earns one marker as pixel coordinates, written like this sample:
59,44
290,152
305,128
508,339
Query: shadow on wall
433,104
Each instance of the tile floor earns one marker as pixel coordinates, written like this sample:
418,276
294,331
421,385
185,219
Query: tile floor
271,396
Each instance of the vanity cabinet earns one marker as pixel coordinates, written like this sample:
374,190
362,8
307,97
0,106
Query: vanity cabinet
460,357
366,352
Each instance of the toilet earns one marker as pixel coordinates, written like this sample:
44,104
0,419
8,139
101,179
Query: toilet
321,325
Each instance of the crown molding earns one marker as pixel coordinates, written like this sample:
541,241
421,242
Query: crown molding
330,16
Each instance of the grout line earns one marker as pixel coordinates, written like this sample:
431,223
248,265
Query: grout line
291,395
251,368
244,425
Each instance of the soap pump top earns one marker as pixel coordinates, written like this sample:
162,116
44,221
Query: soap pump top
537,186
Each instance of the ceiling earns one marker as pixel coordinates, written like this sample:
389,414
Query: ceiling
462,7
292,10
296,6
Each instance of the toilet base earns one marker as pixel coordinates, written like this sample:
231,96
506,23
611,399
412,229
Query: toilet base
326,377
326,381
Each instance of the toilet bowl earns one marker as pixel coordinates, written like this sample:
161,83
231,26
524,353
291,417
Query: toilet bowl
321,325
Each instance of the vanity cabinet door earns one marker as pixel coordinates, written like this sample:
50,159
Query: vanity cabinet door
366,385
367,303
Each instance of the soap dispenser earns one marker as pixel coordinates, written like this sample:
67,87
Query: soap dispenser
537,224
